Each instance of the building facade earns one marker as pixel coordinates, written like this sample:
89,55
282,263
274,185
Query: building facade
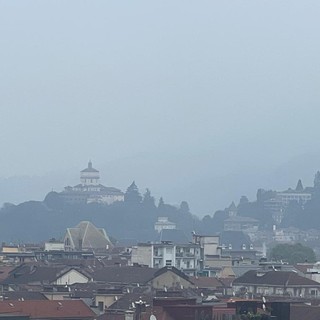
184,257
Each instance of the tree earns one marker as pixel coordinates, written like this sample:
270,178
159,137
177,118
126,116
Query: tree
243,200
184,207
132,194
316,181
148,199
263,195
299,186
53,200
292,253
161,204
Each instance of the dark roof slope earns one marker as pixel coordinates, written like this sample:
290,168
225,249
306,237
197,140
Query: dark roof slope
235,238
299,312
170,269
274,278
124,275
37,274
207,282
174,235
28,273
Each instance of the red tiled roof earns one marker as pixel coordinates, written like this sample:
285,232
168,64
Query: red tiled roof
37,309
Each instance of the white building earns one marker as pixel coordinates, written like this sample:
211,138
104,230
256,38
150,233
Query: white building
203,252
163,223
54,246
90,190
287,197
184,257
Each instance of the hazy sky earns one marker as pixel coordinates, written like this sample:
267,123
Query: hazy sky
181,88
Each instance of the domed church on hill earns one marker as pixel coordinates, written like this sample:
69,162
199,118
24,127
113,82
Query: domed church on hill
90,190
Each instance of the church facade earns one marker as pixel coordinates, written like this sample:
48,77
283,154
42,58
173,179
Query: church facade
89,190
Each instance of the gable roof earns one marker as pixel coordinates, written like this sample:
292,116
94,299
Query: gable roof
38,274
235,238
173,235
171,269
275,278
40,309
32,273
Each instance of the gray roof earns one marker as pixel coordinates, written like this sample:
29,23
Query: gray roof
33,273
124,275
175,236
275,278
235,238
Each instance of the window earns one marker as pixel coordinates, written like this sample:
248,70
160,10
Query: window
100,305
314,293
168,263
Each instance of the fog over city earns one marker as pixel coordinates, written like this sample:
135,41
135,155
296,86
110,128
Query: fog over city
202,101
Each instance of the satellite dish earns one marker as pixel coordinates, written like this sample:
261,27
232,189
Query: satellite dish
264,300
264,307
153,317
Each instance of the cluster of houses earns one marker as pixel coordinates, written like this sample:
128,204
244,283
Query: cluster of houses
88,277
175,276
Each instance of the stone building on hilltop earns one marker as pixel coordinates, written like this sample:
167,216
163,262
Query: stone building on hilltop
90,190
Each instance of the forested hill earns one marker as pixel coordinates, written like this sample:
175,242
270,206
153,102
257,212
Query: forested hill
132,219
